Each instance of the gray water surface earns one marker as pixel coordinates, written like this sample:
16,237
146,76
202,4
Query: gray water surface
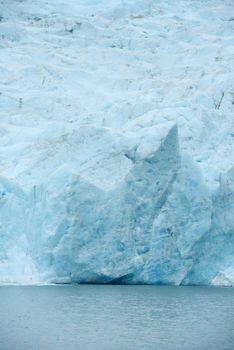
116,317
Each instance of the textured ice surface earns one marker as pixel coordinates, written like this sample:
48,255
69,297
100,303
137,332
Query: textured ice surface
116,140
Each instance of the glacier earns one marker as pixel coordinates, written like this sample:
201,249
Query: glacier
117,142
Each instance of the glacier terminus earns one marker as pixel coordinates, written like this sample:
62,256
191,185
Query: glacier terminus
117,142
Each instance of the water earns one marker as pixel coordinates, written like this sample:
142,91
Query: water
116,317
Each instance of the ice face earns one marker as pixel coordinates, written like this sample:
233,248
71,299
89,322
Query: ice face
116,141
160,224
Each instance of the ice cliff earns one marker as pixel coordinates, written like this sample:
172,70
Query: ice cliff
116,140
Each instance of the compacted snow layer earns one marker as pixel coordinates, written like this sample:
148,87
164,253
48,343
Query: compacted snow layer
116,139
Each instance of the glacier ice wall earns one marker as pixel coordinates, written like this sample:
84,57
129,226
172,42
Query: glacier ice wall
116,139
